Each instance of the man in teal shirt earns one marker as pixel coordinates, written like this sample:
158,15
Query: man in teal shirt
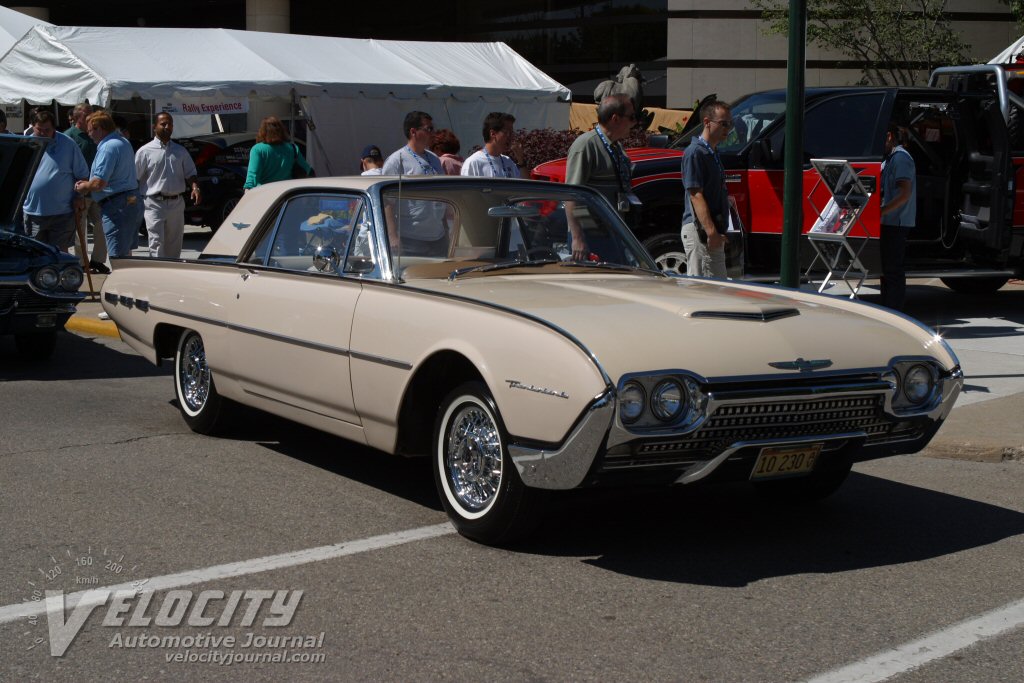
898,215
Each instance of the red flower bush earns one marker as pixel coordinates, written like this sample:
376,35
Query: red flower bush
544,144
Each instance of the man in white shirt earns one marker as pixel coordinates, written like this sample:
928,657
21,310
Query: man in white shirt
165,170
416,227
493,160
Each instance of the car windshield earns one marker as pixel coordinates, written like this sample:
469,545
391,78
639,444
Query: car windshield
458,229
751,115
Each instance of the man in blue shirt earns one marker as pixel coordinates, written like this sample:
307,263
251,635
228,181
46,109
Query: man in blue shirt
114,185
898,215
50,204
705,198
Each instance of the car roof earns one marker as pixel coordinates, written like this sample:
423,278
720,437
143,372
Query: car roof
228,240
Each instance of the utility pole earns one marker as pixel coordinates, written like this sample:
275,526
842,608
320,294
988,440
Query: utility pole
793,189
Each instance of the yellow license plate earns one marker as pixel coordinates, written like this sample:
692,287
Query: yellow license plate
785,461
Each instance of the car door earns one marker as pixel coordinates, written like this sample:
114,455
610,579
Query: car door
292,318
847,125
986,189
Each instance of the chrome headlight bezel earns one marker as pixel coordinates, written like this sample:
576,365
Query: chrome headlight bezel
632,394
71,278
916,384
47,278
659,415
662,403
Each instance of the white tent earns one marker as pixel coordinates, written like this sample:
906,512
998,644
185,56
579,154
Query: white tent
13,25
356,91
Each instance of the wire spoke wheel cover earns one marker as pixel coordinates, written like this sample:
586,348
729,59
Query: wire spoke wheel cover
472,453
193,375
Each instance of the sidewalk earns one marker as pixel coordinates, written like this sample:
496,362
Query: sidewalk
86,318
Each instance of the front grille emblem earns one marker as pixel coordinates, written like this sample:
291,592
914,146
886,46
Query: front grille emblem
802,365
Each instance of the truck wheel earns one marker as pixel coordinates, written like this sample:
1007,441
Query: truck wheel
975,285
197,395
479,486
667,250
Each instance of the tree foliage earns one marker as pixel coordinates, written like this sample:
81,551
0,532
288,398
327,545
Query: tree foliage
899,42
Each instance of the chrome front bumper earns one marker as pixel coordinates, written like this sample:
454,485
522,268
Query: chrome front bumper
567,466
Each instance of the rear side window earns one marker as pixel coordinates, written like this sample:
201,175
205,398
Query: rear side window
844,127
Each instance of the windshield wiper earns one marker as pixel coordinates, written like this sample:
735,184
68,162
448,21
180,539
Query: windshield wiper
608,265
488,267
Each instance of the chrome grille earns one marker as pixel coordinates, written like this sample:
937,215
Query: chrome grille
761,421
26,301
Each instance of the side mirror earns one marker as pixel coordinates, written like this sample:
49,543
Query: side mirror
657,140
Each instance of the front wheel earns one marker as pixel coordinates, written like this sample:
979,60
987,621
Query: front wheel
668,253
975,285
479,486
198,399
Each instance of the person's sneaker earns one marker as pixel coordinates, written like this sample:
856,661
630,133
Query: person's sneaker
97,268
103,315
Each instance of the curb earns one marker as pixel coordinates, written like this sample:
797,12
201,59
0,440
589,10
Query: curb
80,323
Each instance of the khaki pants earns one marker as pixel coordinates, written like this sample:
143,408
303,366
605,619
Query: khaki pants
701,261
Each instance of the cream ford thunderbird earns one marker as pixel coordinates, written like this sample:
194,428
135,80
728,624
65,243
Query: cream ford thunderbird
448,317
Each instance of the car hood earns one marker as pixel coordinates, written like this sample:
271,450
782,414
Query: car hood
19,158
715,329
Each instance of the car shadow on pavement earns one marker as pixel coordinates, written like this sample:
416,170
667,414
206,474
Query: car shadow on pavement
77,357
724,536
948,311
408,478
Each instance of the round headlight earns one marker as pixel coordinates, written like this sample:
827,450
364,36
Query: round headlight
667,400
631,402
47,277
918,384
71,278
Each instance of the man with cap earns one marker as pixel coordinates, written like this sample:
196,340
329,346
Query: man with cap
372,160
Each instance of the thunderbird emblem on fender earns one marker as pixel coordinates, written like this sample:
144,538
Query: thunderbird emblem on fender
802,365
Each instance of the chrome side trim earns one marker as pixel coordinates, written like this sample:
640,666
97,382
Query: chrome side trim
381,360
566,467
336,350
704,469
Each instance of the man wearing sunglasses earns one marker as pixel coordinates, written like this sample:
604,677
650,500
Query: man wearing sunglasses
706,199
416,228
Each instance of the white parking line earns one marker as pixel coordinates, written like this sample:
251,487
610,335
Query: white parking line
223,571
916,653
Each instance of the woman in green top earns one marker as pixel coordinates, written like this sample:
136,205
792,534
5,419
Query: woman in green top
273,156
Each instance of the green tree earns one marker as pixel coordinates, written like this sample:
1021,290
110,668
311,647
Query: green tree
899,42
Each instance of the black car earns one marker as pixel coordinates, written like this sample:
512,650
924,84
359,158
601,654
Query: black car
222,160
38,283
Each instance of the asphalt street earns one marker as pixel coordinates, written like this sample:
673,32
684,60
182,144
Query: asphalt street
102,484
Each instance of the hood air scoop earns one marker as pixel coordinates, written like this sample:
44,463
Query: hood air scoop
765,314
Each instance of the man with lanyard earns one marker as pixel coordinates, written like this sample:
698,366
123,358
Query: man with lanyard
493,160
164,169
706,199
898,215
113,185
596,159
418,226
